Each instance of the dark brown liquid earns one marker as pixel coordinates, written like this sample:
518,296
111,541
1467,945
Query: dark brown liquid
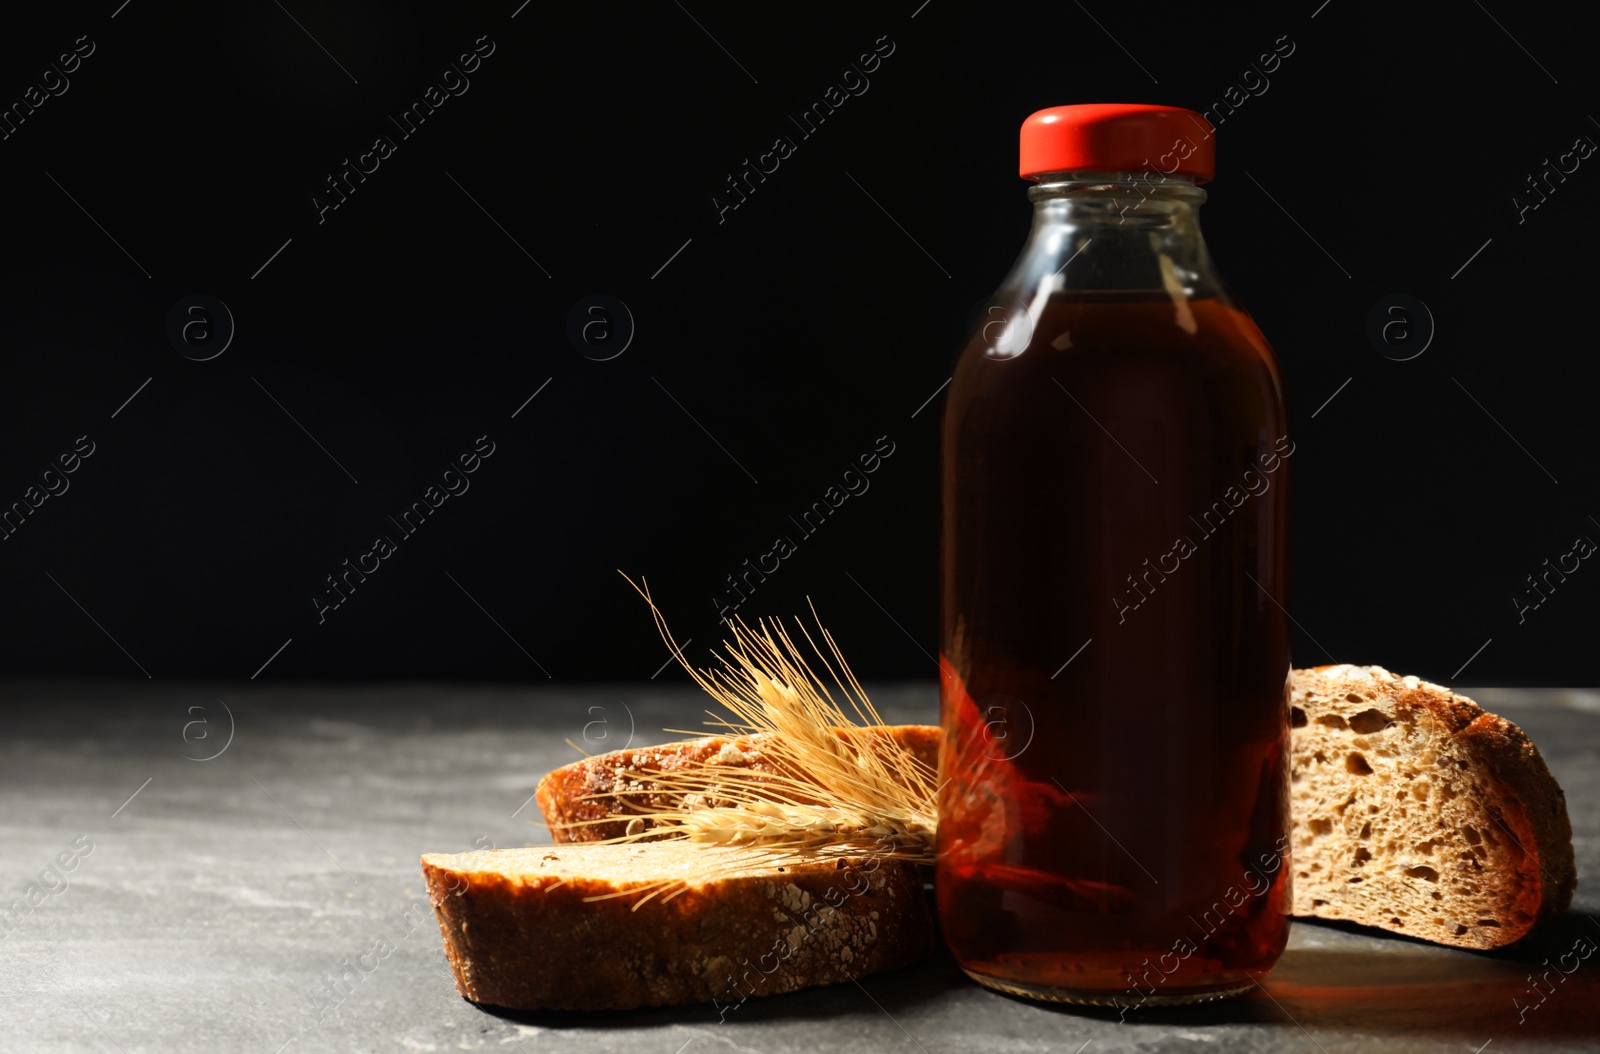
1114,827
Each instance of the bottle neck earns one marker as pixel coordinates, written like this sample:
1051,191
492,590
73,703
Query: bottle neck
1115,232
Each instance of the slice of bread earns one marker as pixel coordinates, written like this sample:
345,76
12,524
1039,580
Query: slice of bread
520,933
580,799
1415,811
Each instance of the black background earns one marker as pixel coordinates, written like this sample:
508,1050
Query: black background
796,332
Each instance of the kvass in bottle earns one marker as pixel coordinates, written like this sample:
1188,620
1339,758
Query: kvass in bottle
1114,657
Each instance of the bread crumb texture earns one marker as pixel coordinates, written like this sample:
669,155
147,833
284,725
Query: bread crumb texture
1415,811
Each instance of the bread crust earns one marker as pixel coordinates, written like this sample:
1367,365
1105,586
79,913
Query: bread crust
519,933
1521,864
594,799
1541,806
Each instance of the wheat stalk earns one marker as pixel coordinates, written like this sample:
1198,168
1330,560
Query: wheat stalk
840,789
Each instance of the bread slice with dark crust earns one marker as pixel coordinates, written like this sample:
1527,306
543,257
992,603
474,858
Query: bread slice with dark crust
520,933
580,800
1415,811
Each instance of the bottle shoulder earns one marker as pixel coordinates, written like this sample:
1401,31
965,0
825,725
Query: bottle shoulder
1076,328
1102,347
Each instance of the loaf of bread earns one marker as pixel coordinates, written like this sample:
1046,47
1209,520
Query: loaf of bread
596,798
1415,811
522,929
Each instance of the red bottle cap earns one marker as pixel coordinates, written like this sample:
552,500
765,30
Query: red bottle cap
1118,137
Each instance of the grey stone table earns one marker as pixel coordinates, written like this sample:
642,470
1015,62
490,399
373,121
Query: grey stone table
201,905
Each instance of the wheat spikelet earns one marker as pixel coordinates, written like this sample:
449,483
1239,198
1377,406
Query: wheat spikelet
840,790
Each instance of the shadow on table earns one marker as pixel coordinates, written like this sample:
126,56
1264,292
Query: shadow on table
1546,985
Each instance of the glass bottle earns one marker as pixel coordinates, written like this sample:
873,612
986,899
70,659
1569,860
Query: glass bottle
1114,814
